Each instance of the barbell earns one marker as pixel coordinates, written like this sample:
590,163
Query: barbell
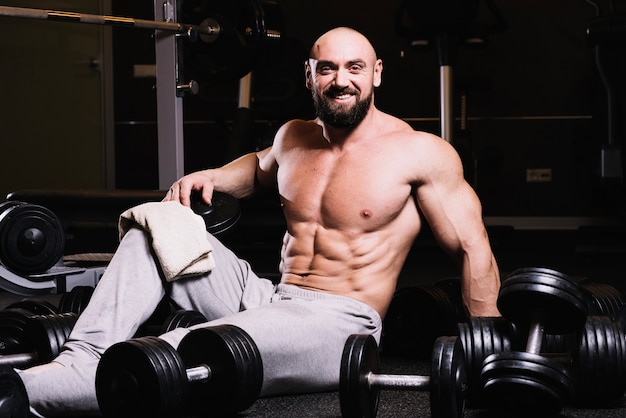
229,32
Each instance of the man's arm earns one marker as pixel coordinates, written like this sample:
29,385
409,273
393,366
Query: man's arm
240,178
454,213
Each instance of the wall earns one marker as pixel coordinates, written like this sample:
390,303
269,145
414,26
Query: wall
51,129
534,101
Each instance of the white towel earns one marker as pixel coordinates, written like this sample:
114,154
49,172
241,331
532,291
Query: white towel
178,237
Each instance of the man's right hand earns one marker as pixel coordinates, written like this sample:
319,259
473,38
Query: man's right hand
199,182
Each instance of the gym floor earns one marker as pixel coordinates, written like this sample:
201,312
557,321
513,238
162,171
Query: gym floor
594,254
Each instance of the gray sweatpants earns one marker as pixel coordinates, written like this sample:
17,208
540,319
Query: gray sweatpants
300,333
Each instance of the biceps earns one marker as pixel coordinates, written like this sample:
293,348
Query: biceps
266,168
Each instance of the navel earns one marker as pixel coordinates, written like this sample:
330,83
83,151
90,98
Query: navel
366,214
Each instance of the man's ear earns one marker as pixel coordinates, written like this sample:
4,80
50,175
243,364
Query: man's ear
378,73
308,75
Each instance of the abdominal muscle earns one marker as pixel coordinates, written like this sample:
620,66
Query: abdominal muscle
360,265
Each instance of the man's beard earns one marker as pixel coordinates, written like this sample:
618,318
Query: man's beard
340,115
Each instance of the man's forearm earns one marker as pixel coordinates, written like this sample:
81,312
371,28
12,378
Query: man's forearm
237,178
481,284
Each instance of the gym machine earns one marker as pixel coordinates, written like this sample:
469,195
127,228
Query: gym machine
31,260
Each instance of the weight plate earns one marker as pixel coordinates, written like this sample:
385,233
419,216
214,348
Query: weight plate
466,341
526,383
564,310
234,51
76,300
46,334
31,238
13,397
600,373
477,346
36,307
141,377
448,379
182,319
12,324
236,369
359,359
614,383
221,215
620,318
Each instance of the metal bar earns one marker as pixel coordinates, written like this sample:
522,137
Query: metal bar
171,152
64,16
201,373
18,359
446,97
398,382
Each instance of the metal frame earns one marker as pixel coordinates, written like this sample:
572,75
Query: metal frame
171,161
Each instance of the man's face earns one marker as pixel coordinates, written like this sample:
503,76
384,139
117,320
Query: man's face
341,107
341,75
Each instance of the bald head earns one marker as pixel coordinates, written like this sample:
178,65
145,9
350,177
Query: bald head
345,40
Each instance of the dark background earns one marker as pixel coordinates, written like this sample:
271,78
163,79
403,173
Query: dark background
534,96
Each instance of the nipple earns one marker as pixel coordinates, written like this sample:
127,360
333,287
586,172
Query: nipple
366,214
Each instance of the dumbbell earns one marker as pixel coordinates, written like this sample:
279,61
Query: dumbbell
32,238
215,371
13,397
13,319
76,300
541,301
605,299
481,337
599,367
182,318
41,340
34,306
417,315
221,215
361,382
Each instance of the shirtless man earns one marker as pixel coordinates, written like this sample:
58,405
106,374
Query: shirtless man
352,185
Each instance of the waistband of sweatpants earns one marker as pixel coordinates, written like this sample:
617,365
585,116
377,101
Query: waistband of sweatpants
291,290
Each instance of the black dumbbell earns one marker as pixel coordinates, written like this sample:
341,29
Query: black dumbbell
34,306
481,337
215,371
182,318
13,319
599,367
221,215
76,300
41,340
417,315
361,381
32,238
13,397
542,301
605,299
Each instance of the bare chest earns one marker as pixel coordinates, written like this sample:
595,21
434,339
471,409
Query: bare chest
364,190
